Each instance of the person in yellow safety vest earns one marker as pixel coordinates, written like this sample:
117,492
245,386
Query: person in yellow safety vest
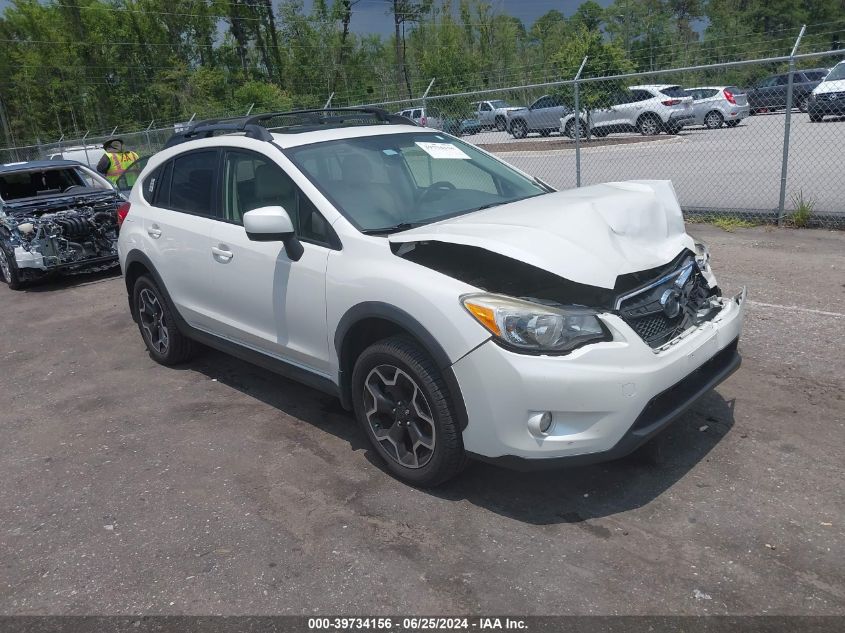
116,159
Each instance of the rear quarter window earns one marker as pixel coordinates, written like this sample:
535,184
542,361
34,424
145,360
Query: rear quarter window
674,91
152,184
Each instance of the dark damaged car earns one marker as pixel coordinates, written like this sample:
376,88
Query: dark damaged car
56,217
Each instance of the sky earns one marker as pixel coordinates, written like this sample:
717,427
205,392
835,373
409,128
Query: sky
370,16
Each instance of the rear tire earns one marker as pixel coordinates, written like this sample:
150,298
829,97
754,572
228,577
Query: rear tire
519,129
713,120
165,343
9,270
405,408
649,125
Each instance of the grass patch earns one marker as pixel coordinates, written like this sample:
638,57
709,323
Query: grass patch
803,212
725,222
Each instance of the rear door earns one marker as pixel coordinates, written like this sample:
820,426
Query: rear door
178,223
703,101
485,113
629,107
264,300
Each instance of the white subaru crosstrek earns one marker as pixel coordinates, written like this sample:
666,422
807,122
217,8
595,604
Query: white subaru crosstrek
458,306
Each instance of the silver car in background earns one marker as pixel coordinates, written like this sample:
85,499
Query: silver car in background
714,106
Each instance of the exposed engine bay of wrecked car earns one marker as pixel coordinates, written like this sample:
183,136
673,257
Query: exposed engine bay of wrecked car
72,230
65,235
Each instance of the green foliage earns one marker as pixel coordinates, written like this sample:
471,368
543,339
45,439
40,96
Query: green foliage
802,213
71,66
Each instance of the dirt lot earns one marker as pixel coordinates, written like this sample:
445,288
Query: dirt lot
220,488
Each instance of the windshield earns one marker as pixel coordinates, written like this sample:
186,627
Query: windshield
31,183
499,104
837,73
388,182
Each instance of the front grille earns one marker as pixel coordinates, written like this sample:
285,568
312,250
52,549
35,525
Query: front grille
666,307
832,96
656,329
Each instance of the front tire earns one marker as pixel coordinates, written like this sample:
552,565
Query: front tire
9,270
405,408
714,120
519,129
816,118
165,343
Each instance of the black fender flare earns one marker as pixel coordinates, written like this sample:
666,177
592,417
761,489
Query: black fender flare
404,320
136,256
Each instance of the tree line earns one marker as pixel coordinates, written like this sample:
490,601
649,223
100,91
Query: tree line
67,66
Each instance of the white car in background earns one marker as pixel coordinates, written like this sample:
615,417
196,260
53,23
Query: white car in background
715,106
88,155
459,307
828,98
648,110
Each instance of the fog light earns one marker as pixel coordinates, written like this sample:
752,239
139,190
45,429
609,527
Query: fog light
540,423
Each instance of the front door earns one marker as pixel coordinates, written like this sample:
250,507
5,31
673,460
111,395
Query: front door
266,301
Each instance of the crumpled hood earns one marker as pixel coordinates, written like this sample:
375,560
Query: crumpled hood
589,235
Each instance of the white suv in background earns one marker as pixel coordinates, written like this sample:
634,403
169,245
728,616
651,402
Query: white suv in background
458,306
648,110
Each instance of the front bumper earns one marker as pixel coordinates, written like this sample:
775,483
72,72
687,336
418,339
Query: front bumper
822,106
605,399
35,263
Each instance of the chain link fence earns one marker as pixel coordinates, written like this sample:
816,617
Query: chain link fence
767,153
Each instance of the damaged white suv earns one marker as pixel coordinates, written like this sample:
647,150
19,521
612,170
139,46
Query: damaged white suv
460,307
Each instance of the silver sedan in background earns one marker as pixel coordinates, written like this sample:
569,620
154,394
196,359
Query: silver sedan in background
714,106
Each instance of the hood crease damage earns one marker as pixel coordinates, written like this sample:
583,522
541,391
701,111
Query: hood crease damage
588,236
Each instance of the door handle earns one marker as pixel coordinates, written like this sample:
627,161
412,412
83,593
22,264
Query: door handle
154,232
221,254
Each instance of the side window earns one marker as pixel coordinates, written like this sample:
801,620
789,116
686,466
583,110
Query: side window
485,107
781,80
151,183
417,114
192,183
640,95
251,181
542,102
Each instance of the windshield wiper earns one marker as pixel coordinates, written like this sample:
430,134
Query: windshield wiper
384,230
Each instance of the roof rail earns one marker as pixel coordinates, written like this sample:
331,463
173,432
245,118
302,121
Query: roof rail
302,120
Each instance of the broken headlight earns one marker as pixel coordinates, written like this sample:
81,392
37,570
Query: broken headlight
534,327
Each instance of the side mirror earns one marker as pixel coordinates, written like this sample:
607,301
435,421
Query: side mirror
273,224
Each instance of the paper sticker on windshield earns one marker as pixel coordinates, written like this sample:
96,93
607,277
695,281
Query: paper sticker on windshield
442,150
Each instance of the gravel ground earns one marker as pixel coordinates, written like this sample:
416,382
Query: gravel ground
220,488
